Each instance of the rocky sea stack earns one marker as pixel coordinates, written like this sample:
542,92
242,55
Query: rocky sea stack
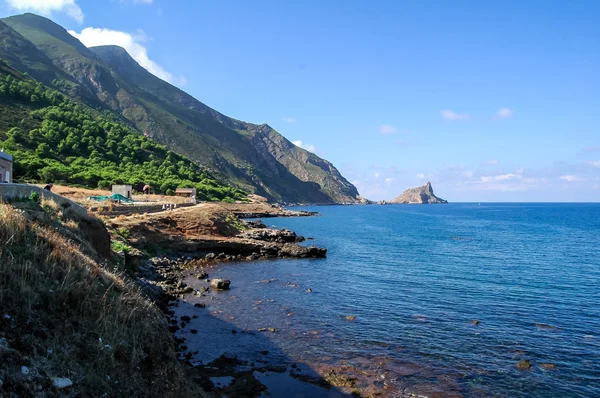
419,195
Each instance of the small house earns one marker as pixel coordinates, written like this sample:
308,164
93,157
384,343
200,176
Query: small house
6,167
187,193
124,190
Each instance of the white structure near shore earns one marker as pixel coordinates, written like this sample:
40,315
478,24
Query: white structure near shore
6,167
123,190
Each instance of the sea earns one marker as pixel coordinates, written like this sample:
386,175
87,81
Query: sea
435,300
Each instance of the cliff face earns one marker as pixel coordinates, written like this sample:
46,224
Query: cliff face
419,195
253,157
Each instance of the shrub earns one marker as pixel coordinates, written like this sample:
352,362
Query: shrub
35,197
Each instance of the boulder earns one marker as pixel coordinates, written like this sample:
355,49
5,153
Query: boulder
220,284
61,382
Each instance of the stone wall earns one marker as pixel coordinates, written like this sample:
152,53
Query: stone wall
10,192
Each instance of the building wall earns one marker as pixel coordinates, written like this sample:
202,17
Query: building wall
6,165
124,190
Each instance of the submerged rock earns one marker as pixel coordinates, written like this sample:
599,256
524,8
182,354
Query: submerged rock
61,382
524,364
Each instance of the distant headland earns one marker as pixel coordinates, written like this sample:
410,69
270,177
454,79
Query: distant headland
419,195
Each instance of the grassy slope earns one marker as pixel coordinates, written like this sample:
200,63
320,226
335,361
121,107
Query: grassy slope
64,314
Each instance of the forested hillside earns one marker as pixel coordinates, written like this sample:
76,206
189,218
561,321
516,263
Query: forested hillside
54,138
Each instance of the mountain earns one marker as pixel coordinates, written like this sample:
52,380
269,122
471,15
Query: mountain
420,195
254,157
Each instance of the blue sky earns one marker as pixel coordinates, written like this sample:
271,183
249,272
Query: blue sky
490,101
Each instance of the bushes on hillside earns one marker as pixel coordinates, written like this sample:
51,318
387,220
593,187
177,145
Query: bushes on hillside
75,145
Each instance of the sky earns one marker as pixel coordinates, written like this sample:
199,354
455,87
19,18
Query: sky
490,101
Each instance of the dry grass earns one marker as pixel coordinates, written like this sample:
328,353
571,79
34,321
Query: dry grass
64,315
81,194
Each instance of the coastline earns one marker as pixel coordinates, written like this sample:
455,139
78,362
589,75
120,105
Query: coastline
195,241
236,361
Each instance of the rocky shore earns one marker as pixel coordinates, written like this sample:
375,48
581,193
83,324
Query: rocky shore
188,244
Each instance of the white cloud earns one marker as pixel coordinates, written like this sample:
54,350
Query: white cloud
289,119
377,175
467,174
387,129
453,116
503,177
91,37
491,162
420,176
308,147
388,180
504,113
594,163
570,178
47,7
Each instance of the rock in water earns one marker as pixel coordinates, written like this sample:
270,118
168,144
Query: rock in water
220,284
61,382
524,364
420,195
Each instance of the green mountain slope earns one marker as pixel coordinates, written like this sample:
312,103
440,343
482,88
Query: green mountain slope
254,157
53,138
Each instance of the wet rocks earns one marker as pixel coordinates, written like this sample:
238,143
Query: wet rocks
293,250
276,368
548,366
202,275
272,235
220,284
350,317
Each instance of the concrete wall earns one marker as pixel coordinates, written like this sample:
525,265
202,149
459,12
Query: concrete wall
10,192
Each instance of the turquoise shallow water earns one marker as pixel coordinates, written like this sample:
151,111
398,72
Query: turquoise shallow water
417,276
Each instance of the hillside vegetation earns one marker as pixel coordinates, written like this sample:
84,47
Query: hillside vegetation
65,315
55,139
253,157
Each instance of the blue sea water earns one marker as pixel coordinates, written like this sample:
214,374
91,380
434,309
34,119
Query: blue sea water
416,277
